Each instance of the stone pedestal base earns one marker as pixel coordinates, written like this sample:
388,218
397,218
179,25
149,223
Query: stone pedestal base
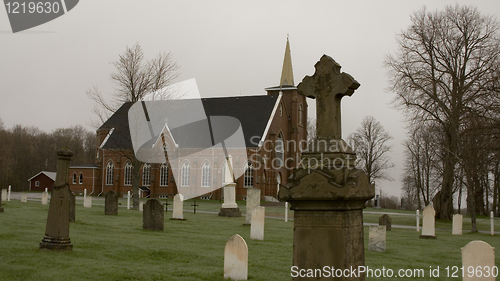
229,212
56,244
427,237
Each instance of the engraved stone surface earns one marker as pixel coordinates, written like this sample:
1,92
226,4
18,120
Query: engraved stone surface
478,254
4,194
152,216
236,258
257,223
253,201
428,225
377,238
457,224
111,203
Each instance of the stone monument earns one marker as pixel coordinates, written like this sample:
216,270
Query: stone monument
385,220
4,194
236,258
257,223
24,197
57,229
478,255
178,211
429,223
457,224
111,203
253,201
152,216
377,238
326,191
229,207
45,197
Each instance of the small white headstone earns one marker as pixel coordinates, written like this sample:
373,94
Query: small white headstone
45,198
377,238
475,255
286,211
492,223
428,226
418,221
253,201
4,194
8,194
87,202
236,258
178,213
24,197
257,223
141,206
128,200
457,224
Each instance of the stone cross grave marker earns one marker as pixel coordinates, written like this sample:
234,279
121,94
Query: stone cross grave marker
236,258
111,203
457,224
178,212
4,194
45,197
152,216
24,197
57,229
377,238
328,85
257,223
478,254
385,220
253,201
72,202
428,225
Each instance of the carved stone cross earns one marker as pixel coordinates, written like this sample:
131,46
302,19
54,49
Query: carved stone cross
328,85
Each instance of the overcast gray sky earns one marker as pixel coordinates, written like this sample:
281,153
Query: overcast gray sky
230,47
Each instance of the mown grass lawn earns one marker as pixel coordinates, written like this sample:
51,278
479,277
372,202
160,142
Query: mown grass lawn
117,248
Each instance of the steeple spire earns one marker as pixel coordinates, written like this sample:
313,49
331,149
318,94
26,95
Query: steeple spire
287,71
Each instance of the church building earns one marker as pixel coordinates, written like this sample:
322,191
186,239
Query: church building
274,126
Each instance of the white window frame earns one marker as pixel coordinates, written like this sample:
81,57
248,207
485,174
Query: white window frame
146,175
249,175
110,172
205,174
185,171
164,174
127,173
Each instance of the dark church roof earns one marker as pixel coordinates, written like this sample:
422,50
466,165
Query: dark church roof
253,112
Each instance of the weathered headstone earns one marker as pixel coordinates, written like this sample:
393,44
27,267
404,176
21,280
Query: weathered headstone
87,200
257,223
385,220
428,225
377,238
57,229
286,211
45,197
4,194
72,203
24,197
128,200
1,196
111,203
229,208
152,216
9,193
457,224
178,212
141,206
327,192
236,258
253,201
478,255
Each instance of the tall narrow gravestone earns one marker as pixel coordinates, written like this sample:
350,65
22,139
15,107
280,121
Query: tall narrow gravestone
236,258
111,203
457,224
253,201
4,194
178,212
257,223
24,197
45,197
478,261
152,215
428,225
326,191
57,229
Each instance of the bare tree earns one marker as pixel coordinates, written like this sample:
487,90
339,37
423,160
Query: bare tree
135,79
369,142
446,66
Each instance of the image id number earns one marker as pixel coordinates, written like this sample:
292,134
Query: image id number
32,7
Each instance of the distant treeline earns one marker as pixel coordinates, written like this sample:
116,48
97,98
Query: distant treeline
25,151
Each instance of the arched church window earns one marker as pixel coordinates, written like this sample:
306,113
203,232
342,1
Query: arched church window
146,174
185,170
248,178
164,174
128,173
110,172
205,174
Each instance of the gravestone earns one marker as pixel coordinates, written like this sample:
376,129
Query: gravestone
257,223
236,258
1,196
253,201
457,224
377,238
9,191
478,255
87,200
428,225
178,212
385,220
24,197
229,208
72,202
152,216
141,206
45,197
111,203
4,194
57,229
418,221
492,223
327,192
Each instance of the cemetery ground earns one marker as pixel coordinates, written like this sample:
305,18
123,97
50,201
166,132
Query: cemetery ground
117,248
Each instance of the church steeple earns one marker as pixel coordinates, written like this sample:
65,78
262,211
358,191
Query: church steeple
287,71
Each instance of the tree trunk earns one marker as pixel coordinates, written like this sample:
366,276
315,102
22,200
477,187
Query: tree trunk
471,207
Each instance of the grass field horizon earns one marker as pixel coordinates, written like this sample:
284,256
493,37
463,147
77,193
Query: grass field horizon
117,248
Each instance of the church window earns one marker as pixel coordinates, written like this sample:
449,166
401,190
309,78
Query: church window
110,172
185,174
248,178
301,114
164,174
74,178
146,174
280,151
80,179
128,173
205,174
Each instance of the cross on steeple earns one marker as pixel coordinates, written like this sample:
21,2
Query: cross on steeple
328,85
